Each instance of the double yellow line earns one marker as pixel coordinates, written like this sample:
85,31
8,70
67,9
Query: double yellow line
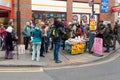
21,69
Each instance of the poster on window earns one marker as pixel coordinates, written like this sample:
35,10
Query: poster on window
98,46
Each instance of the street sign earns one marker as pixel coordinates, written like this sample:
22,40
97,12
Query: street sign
116,9
104,5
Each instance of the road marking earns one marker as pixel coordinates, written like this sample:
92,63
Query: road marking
21,69
86,65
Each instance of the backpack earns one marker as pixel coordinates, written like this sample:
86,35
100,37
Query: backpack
55,34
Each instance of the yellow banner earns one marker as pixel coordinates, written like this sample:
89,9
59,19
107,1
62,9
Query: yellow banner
92,24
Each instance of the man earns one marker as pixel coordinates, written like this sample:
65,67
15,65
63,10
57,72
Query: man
26,34
57,41
116,32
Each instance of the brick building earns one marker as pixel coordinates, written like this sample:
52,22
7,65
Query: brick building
67,9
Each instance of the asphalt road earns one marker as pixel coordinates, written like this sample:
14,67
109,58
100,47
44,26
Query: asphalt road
105,71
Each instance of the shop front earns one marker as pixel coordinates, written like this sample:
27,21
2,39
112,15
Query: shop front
56,8
48,9
6,11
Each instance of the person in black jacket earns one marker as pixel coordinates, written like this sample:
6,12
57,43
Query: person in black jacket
57,41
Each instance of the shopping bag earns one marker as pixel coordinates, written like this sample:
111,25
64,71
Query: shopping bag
21,49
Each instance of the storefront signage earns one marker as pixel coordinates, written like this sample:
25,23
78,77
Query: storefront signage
5,3
104,5
98,46
116,9
92,24
61,6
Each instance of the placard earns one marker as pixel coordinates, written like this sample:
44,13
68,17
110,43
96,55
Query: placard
92,24
98,46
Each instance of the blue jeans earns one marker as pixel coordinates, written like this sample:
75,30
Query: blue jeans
91,40
57,46
36,50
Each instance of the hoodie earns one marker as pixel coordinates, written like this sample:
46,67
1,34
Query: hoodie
37,35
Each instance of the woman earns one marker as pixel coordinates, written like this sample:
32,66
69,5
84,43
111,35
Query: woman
8,39
36,41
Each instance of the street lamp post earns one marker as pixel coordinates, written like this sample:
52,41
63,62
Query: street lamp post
92,32
18,24
18,20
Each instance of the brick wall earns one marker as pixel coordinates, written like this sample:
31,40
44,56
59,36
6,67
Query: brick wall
25,13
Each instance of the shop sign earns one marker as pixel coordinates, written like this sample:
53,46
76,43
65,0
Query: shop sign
92,24
5,3
98,46
116,9
104,5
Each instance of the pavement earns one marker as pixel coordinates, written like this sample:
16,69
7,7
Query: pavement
24,60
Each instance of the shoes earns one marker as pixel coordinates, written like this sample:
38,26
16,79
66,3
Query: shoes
106,51
113,48
42,55
8,58
51,48
58,61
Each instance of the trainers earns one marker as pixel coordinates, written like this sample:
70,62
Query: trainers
58,61
106,51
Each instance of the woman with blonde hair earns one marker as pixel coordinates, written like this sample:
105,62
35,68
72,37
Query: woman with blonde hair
36,41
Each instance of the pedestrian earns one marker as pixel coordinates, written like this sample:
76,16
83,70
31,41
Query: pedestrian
2,32
116,32
36,41
42,50
26,34
57,32
107,36
8,39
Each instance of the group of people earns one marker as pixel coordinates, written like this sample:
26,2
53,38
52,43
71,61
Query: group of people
49,34
39,33
8,36
109,34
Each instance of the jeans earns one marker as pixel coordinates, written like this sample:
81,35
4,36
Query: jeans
26,41
91,41
36,50
57,46
47,43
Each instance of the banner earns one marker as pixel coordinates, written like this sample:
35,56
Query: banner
98,46
104,5
92,24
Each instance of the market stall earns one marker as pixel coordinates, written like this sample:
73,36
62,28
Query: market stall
75,46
